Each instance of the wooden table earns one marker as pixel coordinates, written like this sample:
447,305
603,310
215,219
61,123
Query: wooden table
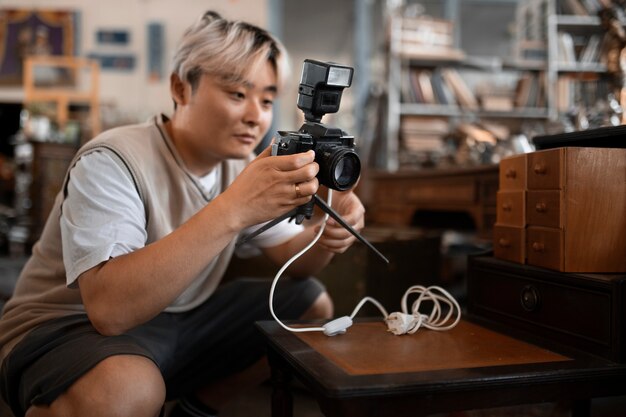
370,372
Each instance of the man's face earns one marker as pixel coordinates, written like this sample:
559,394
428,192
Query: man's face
221,120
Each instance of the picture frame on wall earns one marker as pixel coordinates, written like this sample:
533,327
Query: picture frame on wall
156,51
32,32
116,37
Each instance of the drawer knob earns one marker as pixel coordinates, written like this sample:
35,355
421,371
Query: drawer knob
540,169
507,206
504,243
529,298
538,247
541,207
510,173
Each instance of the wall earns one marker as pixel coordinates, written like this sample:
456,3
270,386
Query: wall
135,97
322,30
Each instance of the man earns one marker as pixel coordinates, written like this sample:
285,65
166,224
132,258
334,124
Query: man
119,307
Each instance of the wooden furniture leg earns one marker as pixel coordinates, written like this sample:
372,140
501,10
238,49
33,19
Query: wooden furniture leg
282,398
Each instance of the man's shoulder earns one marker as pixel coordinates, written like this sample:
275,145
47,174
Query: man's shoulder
139,131
128,139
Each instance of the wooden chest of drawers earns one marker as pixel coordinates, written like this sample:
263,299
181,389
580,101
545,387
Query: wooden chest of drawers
563,209
584,311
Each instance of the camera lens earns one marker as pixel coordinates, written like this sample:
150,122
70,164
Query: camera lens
339,168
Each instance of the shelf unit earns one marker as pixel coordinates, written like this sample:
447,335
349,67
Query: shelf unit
74,81
536,56
399,67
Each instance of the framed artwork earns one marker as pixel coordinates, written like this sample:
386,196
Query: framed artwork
112,37
119,62
156,53
32,32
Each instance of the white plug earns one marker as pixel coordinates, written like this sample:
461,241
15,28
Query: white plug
402,323
337,326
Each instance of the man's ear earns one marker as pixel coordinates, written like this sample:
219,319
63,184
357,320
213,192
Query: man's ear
177,89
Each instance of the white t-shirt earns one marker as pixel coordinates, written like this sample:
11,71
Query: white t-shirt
103,216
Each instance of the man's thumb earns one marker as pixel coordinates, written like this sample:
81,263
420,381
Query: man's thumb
267,151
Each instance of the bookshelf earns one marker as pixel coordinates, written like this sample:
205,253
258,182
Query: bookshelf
557,68
429,96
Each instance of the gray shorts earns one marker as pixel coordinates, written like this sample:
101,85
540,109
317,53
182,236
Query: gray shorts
191,349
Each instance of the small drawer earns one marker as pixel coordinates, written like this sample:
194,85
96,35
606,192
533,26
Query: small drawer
509,243
544,247
512,173
543,208
544,170
511,206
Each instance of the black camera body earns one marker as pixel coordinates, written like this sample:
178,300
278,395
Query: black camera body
319,93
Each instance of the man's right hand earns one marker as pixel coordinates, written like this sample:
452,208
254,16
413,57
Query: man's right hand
271,186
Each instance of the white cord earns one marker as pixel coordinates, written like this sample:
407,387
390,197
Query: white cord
398,323
289,262
405,322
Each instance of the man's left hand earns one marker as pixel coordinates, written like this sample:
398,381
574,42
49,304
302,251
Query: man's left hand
335,237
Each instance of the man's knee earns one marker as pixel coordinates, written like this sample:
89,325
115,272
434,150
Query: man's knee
322,308
121,385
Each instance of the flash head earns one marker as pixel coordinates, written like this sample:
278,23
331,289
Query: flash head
321,86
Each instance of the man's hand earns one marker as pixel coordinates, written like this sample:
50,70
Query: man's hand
271,186
335,237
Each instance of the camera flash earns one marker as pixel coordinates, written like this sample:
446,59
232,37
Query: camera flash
341,77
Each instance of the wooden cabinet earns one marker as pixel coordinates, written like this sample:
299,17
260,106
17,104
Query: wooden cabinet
583,311
571,213
510,229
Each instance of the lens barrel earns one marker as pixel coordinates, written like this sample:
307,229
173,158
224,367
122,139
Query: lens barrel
340,168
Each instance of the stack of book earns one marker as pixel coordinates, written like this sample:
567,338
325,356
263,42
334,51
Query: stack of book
423,134
424,37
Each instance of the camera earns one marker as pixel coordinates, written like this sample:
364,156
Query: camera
321,87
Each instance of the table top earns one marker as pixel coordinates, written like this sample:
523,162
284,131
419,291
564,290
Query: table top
369,361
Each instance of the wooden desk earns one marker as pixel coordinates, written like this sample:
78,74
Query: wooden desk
370,372
395,198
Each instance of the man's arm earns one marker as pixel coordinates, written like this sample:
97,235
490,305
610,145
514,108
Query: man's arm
123,292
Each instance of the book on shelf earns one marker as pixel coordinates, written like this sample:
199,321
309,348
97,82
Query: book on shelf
494,102
498,130
532,51
427,30
423,133
424,124
592,6
425,37
408,91
431,53
573,91
478,133
464,95
582,7
495,97
530,91
424,144
573,7
442,91
591,51
566,50
426,87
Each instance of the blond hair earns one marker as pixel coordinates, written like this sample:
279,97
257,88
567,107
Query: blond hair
227,49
